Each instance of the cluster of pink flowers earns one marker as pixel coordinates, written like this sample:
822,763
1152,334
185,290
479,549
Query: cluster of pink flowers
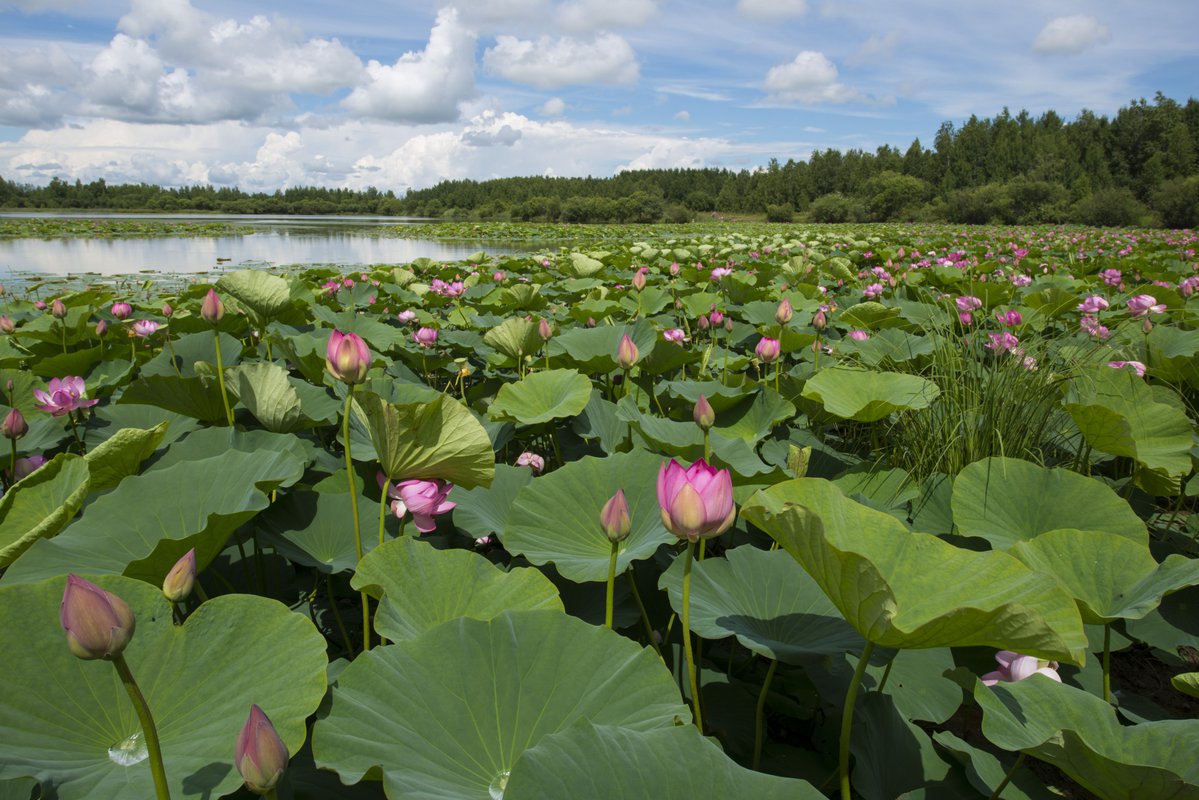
451,289
1005,342
1091,326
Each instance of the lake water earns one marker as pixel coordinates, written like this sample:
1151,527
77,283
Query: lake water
276,241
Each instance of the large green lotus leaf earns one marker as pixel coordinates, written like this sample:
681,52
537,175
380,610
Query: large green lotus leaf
439,439
555,519
121,454
1007,500
1110,576
1080,734
1173,354
600,761
314,528
18,789
483,511
766,600
581,265
141,528
902,589
446,715
115,417
716,393
260,292
1118,413
190,349
264,389
870,315
754,419
422,587
594,349
42,504
515,337
600,420
541,397
868,396
214,442
889,345
197,397
70,724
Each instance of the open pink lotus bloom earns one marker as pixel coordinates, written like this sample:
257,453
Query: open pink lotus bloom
424,499
1015,667
63,397
1144,304
674,335
531,460
697,501
425,337
1093,304
1137,366
144,328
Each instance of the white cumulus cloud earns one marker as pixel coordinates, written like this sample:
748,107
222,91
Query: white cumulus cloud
552,107
422,87
550,63
772,9
1071,35
810,78
585,16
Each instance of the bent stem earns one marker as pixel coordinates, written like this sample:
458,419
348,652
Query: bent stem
611,585
220,376
345,435
759,723
148,730
1007,778
699,721
851,697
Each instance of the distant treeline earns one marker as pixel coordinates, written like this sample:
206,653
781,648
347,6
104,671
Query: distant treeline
1139,168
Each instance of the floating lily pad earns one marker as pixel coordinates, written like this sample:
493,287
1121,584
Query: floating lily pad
41,505
483,510
868,396
541,397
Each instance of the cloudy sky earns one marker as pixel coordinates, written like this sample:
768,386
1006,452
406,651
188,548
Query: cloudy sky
404,93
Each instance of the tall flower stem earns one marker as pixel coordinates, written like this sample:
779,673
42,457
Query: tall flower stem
759,725
345,435
174,360
220,376
851,697
1107,663
1008,777
631,577
699,721
611,585
148,730
383,508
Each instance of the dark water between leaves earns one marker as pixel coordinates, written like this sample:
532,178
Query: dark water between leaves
276,241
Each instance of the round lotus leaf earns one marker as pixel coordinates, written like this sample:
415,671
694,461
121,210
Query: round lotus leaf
541,397
449,713
868,396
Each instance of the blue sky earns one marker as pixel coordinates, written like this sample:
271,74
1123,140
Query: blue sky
398,93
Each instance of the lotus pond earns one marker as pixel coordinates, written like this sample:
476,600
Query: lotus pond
770,512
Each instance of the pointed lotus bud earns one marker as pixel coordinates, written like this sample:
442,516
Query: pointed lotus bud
167,311
798,459
122,310
544,330
102,328
14,425
674,269
626,353
704,415
783,314
702,323
212,309
98,623
768,349
7,325
178,584
639,280
347,357
819,320
728,324
58,309
260,755
614,518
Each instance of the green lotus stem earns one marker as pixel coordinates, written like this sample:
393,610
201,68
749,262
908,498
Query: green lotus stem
631,577
707,446
777,369
148,729
74,432
1007,778
345,434
132,351
699,721
271,794
1107,662
851,697
171,347
341,625
63,325
383,508
759,722
886,674
12,465
199,590
611,585
220,376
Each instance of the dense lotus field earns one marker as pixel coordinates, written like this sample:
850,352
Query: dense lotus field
783,512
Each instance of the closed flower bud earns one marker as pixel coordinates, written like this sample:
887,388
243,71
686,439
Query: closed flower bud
98,623
614,518
768,349
212,309
14,425
626,353
702,323
167,311
58,309
7,325
639,280
728,324
783,314
260,755
703,414
819,320
347,357
425,337
122,310
178,584
544,330
102,328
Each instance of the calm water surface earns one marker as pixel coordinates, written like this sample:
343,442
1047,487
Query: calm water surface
276,241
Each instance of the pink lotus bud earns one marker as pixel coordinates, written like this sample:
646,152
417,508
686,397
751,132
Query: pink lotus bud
859,335
121,310
212,309
626,353
167,311
425,337
614,518
7,325
703,414
768,349
591,322
728,324
819,320
783,314
347,358
40,305
696,502
674,269
424,498
58,309
716,318
178,584
98,623
14,425
702,323
639,280
406,316
102,328
544,330
260,756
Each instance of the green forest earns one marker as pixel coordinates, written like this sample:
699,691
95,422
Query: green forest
1141,167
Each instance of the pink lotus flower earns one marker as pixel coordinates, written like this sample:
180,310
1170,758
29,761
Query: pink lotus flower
859,335
544,330
1015,667
614,518
14,425
1002,342
720,272
1137,366
873,291
58,309
347,357
406,316
260,755
144,328
768,350
1093,304
1009,319
1144,304
676,335
27,466
696,502
7,324
212,309
98,624
784,312
626,353
531,460
40,305
63,397
425,337
425,499
121,310
180,581
703,413
967,303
